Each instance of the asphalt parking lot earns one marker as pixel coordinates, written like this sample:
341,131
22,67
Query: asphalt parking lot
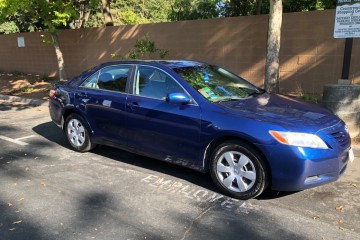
51,192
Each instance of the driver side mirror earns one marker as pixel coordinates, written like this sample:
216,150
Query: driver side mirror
178,98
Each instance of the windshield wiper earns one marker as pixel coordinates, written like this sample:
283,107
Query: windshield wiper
226,99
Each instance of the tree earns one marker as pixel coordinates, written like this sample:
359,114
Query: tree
51,16
195,9
8,27
240,8
140,11
258,7
84,8
106,13
308,5
273,46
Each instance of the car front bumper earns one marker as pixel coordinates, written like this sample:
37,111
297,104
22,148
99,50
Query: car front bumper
297,168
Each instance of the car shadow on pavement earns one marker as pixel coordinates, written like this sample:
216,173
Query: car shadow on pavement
269,194
52,133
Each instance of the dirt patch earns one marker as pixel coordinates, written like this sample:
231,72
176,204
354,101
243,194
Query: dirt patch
356,141
26,85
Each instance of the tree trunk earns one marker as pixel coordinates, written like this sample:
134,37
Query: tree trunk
258,7
84,19
273,47
106,13
84,15
59,57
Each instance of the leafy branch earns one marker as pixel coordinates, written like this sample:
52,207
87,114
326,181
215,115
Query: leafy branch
141,48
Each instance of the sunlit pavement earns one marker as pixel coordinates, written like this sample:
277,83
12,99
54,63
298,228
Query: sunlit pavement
51,192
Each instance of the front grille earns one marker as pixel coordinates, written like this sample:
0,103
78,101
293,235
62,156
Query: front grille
342,137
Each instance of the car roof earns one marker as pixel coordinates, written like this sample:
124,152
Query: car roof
167,63
159,63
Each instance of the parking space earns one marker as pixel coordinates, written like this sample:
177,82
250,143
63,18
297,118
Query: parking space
51,192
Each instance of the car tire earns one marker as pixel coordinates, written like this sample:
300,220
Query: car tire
239,170
77,133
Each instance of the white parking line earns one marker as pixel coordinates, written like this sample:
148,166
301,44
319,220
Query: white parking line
16,141
25,137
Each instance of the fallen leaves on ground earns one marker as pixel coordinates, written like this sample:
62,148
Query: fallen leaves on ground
339,208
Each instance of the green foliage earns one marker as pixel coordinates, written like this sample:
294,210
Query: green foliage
95,20
308,5
43,14
25,89
234,8
133,54
130,17
140,11
141,48
163,53
309,98
144,46
8,27
196,9
46,39
50,15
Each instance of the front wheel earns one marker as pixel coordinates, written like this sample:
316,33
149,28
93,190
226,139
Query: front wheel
238,170
77,133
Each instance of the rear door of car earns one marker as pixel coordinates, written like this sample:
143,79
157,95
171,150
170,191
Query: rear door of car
102,99
167,131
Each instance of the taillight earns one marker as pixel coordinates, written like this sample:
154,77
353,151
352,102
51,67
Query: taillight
52,93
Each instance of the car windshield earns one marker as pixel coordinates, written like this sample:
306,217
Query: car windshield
217,84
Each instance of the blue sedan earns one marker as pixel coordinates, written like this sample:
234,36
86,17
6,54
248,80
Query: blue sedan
206,118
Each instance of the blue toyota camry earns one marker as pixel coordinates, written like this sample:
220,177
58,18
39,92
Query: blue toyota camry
203,117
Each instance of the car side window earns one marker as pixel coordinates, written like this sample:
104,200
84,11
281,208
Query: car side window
154,83
113,78
91,82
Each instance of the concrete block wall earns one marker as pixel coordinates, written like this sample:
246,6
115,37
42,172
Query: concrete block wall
310,57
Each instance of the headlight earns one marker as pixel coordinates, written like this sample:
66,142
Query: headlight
299,139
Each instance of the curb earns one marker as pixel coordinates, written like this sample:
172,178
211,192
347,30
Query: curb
32,102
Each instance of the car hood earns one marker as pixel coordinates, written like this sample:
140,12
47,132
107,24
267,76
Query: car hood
288,112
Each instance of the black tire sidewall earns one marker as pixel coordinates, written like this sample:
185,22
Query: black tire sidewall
87,146
261,181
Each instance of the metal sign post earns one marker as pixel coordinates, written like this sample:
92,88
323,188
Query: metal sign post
347,25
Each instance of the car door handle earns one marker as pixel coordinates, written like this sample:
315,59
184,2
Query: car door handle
133,105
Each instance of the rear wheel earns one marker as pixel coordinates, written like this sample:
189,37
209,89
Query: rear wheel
238,170
77,133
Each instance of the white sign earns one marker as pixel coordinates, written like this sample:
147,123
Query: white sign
347,19
21,41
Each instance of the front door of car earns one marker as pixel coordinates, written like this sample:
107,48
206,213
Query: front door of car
156,127
102,98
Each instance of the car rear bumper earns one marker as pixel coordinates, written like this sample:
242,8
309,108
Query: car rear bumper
55,110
